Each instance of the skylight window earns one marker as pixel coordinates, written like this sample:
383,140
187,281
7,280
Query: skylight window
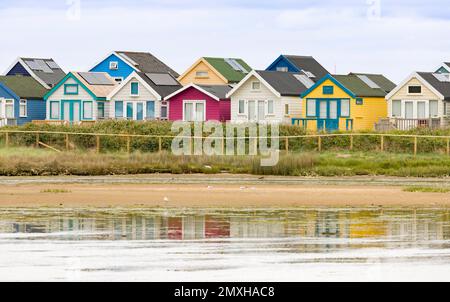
368,81
305,80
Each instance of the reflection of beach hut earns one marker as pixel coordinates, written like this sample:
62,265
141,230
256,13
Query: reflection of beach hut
217,227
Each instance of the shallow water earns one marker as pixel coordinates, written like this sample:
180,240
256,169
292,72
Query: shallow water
347,244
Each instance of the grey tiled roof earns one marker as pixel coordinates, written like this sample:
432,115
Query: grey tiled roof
148,63
50,79
163,91
284,82
219,91
308,63
442,87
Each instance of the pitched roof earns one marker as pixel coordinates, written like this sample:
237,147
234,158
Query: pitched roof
308,63
100,90
146,62
284,82
50,73
219,91
227,71
162,90
361,89
440,86
24,87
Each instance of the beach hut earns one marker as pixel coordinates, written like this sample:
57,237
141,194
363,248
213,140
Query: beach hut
80,96
121,64
345,102
46,71
200,103
299,64
215,71
141,97
21,100
421,100
268,96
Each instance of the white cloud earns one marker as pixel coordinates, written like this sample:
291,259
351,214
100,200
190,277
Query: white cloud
344,37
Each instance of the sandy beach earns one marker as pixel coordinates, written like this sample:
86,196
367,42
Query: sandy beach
214,191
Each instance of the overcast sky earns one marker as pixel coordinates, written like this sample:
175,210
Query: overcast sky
393,37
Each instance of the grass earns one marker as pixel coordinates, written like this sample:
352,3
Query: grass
426,190
56,191
40,162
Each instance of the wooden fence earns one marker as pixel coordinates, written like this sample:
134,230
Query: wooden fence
285,141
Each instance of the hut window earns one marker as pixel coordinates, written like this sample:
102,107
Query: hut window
54,110
311,108
71,89
135,89
201,74
9,108
345,108
256,85
282,69
241,107
270,107
164,112
328,89
434,108
113,65
87,110
414,89
101,110
23,108
396,108
286,109
119,109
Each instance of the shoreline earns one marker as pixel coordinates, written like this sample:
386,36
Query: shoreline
207,191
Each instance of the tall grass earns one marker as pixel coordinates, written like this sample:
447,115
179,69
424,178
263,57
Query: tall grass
34,162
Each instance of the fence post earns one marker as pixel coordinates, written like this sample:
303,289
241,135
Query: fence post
319,143
223,146
448,146
7,139
98,143
37,140
415,146
67,142
160,144
287,144
382,143
128,144
351,142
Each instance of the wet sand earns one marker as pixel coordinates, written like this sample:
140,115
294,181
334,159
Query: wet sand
210,191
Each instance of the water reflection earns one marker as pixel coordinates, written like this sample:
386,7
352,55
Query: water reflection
165,224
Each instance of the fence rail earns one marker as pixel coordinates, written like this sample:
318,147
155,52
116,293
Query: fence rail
285,140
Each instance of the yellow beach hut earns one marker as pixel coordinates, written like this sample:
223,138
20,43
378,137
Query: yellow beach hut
345,102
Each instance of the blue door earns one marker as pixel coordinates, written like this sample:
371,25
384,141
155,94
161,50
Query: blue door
140,111
328,115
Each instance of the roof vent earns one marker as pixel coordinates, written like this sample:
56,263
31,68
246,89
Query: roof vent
368,81
235,65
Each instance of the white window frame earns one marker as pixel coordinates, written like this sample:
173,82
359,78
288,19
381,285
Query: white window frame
131,90
287,112
114,65
259,86
1,108
348,102
8,102
163,105
429,108
23,102
392,109
239,107
267,108
83,116
194,102
50,110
